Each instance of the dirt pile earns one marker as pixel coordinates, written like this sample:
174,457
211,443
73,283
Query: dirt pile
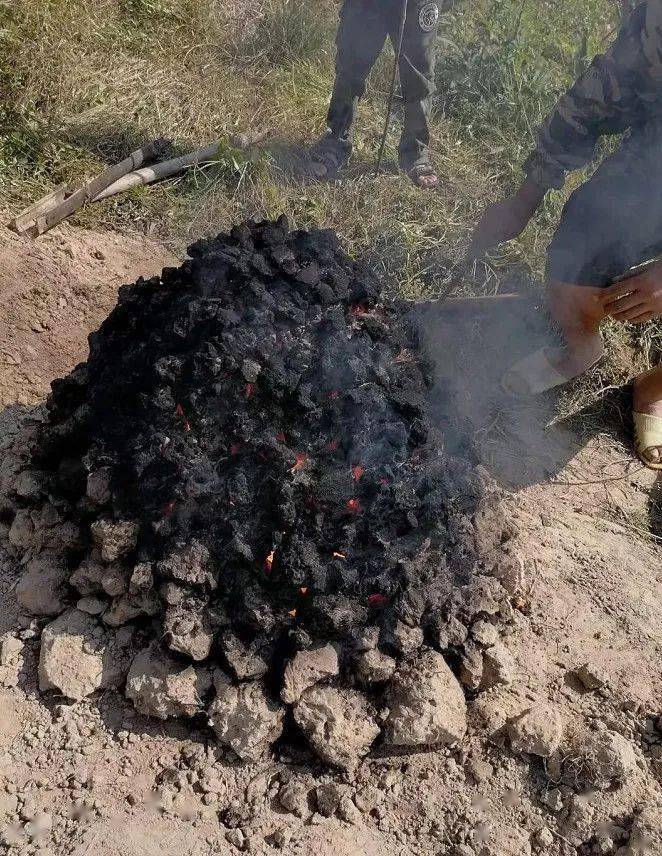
240,512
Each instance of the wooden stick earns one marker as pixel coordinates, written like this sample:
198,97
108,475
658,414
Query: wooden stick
467,305
91,189
148,175
25,221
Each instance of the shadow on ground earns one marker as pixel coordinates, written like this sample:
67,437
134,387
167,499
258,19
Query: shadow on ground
520,442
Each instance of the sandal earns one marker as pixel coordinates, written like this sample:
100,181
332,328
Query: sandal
647,436
423,175
534,375
329,155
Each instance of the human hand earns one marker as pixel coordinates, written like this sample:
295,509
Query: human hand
507,219
638,299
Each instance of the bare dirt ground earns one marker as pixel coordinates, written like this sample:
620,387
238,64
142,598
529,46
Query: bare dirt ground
96,779
53,293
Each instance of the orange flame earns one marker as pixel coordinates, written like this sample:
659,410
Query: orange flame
339,556
292,613
269,562
303,591
358,472
354,506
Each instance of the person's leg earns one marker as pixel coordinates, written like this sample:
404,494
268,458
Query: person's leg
605,229
647,398
607,226
578,312
361,36
416,69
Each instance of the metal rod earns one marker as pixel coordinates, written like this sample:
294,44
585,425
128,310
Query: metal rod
391,96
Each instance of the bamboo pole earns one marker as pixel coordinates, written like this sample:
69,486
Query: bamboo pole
24,223
89,191
148,175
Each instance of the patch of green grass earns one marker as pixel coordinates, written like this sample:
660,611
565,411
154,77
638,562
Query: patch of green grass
290,32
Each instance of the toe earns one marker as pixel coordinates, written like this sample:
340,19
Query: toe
653,454
427,182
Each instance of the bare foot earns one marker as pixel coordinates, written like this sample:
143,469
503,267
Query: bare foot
423,175
426,182
647,398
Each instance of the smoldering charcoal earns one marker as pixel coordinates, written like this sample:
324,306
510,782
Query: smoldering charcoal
247,509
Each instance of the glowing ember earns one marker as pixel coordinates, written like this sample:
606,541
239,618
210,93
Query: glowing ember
377,600
303,591
269,562
281,437
250,390
179,411
332,446
354,506
301,462
235,448
187,425
357,472
170,507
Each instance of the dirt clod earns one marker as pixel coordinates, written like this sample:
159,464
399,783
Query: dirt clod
245,719
537,731
306,669
339,724
78,658
426,703
162,687
43,588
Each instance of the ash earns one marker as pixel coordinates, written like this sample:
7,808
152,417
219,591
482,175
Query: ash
240,501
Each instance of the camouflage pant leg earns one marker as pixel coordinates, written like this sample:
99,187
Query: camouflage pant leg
417,65
614,220
361,36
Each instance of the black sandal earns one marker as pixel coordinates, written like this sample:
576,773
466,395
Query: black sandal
423,169
329,155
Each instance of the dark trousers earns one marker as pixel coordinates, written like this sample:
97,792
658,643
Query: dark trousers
613,221
364,27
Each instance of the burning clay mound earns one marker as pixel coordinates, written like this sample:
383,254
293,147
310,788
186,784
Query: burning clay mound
237,508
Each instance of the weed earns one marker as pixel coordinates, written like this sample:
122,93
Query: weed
291,32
